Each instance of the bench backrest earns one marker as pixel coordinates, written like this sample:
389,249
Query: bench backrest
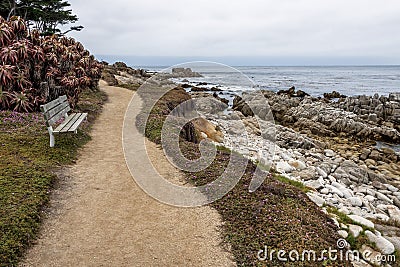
55,110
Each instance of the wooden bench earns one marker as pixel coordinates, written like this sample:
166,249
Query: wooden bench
57,109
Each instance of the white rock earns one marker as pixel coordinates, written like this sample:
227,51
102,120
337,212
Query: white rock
324,191
371,192
336,222
382,207
394,213
298,164
284,167
355,201
321,172
343,233
347,193
316,184
378,216
382,197
344,210
331,178
286,157
334,190
316,199
362,221
329,153
391,188
355,230
383,245
332,200
370,198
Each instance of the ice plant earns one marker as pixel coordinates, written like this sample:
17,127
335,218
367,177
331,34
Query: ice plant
36,69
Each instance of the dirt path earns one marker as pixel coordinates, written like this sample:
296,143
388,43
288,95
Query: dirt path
100,217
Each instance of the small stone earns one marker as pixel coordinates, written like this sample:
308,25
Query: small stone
334,190
329,153
324,191
391,188
298,164
336,222
355,201
322,172
370,198
396,202
344,210
316,184
382,197
378,185
361,220
383,245
370,162
343,233
378,216
284,167
365,153
316,199
355,230
394,213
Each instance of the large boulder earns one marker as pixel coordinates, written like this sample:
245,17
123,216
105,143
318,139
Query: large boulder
208,130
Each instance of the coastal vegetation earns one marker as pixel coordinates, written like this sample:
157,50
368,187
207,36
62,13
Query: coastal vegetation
36,69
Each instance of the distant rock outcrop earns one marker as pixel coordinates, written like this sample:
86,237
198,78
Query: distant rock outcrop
184,73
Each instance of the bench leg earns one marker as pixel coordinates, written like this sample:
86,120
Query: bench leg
52,140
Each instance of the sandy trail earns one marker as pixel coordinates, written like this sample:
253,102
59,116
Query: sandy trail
100,217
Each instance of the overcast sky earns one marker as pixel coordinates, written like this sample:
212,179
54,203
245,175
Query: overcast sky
242,32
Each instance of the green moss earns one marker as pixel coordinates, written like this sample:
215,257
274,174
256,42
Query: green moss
26,177
291,182
343,218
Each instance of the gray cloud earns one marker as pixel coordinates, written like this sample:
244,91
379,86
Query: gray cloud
251,28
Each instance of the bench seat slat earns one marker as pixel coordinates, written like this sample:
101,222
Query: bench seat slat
78,122
63,127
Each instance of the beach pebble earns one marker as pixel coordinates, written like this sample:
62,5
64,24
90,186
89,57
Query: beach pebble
355,230
383,245
391,188
284,167
298,164
334,190
382,197
394,213
329,153
343,233
316,184
362,220
324,191
321,172
316,199
355,201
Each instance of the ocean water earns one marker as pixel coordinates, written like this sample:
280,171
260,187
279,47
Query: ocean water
347,80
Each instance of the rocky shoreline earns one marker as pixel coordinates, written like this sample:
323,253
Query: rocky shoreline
329,144
331,149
